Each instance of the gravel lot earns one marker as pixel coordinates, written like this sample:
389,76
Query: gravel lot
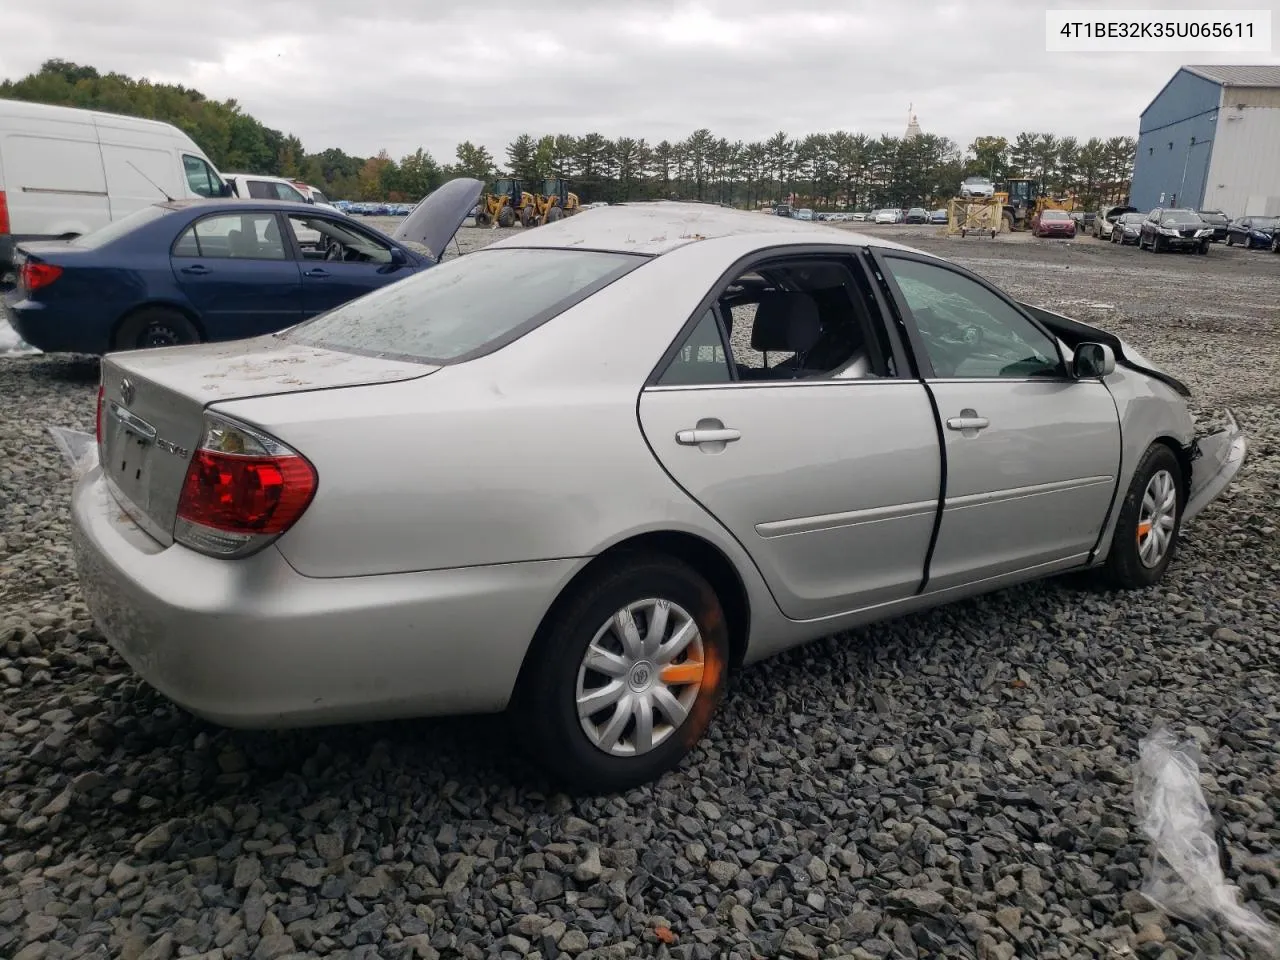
952,784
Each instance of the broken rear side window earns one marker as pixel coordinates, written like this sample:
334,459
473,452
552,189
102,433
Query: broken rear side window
465,307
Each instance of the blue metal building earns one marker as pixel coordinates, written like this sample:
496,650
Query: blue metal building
1209,140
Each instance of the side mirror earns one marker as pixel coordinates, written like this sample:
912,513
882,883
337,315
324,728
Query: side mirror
227,190
398,257
1093,360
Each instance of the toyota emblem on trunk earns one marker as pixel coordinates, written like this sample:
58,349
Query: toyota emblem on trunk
126,391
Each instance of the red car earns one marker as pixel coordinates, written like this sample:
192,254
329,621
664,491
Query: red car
1053,223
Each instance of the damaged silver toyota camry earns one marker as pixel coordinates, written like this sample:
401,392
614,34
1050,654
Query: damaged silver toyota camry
696,438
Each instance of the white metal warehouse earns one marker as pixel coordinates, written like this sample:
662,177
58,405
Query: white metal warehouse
1210,140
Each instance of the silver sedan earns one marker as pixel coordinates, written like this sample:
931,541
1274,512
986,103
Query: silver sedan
586,473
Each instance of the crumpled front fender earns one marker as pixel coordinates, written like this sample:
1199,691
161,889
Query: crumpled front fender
1217,458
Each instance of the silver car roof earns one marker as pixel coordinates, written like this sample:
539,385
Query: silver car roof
657,227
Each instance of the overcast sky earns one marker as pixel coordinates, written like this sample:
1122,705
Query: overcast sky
367,75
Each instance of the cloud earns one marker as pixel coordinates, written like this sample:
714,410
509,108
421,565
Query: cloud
365,76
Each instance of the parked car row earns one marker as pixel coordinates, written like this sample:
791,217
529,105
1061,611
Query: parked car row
366,209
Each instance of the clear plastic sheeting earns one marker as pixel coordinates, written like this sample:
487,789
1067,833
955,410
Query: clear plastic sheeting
1186,878
80,449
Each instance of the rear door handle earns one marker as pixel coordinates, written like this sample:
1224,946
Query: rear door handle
968,423
317,272
197,269
691,438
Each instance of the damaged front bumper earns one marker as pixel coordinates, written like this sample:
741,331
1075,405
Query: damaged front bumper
1216,459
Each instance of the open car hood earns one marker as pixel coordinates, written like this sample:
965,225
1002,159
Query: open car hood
1073,332
437,218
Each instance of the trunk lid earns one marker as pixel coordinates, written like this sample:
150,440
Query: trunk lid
154,401
437,218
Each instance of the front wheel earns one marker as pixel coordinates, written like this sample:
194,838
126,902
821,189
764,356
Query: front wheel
1146,536
1231,239
506,217
1203,249
621,682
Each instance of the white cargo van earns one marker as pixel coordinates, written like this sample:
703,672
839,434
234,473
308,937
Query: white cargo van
65,172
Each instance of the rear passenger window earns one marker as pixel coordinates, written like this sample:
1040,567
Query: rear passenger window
249,236
702,359
262,190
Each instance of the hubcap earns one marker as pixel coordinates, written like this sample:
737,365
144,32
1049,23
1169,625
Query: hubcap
640,677
1156,518
159,335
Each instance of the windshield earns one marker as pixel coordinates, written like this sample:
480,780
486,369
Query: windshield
118,228
464,307
1172,217
976,180
1055,215
1132,217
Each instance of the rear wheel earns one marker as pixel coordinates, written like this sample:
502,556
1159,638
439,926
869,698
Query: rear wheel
527,217
621,682
155,327
554,214
483,219
1008,222
1146,536
506,217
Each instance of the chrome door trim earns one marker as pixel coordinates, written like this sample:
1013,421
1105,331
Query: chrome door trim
831,521
1019,493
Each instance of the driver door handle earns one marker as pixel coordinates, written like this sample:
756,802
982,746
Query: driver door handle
197,270
316,272
968,423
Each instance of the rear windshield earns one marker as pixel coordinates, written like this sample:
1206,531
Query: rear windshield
465,307
118,228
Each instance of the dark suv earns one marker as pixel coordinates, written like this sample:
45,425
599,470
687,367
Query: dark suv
1218,221
1174,229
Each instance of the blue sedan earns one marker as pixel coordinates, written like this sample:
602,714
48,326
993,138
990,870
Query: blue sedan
1259,232
188,271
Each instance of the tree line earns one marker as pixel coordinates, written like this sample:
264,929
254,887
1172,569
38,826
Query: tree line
840,170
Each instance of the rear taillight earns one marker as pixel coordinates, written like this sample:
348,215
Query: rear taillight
4,213
98,431
35,275
242,490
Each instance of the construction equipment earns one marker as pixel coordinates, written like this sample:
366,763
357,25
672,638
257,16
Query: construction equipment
555,201
507,202
1023,199
966,215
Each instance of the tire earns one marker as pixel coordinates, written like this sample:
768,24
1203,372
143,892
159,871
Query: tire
545,704
155,327
1008,222
1203,249
1231,239
1126,567
482,220
527,217
1157,245
554,214
506,217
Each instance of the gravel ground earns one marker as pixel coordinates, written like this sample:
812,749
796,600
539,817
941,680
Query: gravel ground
956,783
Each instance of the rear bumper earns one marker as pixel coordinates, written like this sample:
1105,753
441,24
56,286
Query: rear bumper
252,643
54,332
1219,458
